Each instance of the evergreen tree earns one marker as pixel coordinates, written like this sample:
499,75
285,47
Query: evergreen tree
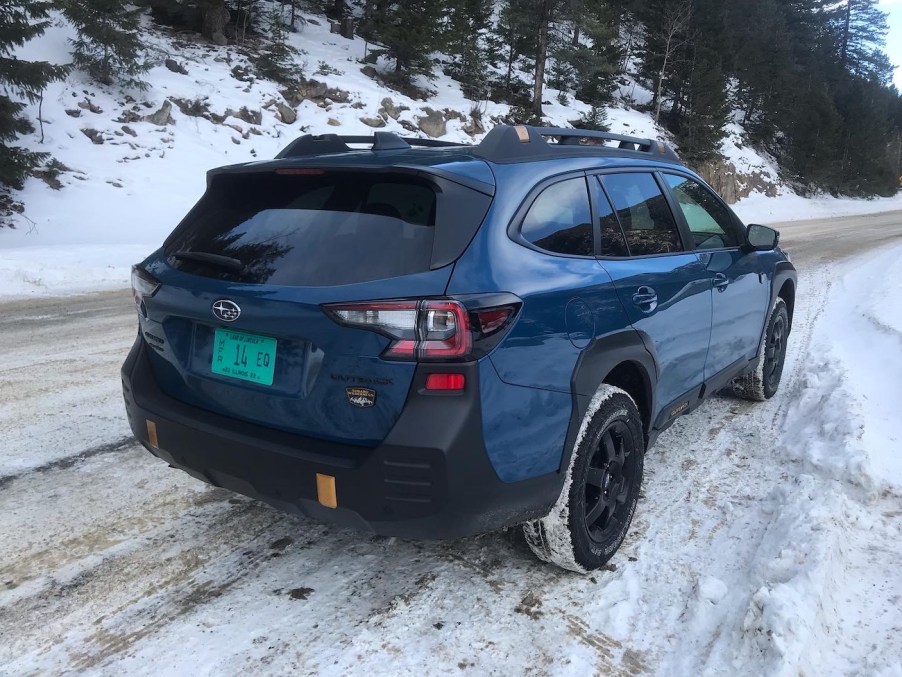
517,30
20,21
466,41
410,31
700,122
108,45
861,30
276,60
592,52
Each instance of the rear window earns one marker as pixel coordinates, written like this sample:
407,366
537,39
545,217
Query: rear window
309,230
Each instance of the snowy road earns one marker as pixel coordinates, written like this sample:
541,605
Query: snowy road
746,556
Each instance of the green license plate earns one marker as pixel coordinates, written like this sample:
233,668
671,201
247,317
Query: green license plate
245,356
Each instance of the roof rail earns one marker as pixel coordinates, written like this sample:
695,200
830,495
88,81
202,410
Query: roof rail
333,143
506,143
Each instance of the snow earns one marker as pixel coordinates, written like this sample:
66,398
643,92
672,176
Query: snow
766,541
124,196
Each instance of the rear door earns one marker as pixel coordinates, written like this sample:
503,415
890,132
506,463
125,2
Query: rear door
740,290
237,325
664,289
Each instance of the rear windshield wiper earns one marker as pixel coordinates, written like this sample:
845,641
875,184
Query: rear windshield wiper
226,262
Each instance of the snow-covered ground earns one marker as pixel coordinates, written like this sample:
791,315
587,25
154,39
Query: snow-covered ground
767,540
125,195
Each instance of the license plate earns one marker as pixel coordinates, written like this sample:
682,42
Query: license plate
245,356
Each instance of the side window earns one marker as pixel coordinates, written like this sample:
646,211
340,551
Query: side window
613,241
560,219
647,223
709,221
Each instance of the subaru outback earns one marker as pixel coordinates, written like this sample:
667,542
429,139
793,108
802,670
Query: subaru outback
431,341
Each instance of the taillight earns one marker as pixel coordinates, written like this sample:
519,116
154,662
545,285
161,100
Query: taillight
144,286
429,329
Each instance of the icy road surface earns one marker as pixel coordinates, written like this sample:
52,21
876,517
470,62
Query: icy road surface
767,540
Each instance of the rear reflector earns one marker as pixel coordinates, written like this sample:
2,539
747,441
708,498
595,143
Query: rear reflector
445,382
152,434
325,491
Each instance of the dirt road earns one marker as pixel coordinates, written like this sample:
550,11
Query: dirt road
112,563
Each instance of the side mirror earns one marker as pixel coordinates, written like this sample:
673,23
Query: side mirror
762,238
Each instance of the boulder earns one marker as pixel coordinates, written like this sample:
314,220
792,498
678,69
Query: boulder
163,116
286,113
433,123
373,122
94,135
252,117
391,109
175,66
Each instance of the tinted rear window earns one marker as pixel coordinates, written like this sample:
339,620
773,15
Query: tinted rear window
314,230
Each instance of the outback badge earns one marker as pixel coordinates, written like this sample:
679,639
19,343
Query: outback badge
361,397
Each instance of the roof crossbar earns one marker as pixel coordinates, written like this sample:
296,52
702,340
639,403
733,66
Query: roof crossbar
379,141
506,143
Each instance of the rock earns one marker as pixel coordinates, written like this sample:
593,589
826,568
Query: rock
252,117
370,72
94,135
373,122
128,130
393,111
315,91
87,104
129,116
332,122
163,116
288,115
236,141
175,66
731,184
433,123
73,112
473,127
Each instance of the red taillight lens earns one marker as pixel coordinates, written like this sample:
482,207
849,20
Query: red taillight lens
427,329
144,285
490,320
445,382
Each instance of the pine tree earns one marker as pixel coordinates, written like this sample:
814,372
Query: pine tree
703,114
108,45
592,51
466,43
276,60
20,21
410,31
861,30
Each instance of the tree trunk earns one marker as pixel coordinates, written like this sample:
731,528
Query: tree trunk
541,57
844,50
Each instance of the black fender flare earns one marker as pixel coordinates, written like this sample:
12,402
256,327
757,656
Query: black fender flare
595,363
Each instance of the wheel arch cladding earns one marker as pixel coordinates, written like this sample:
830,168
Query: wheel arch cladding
788,294
621,360
631,377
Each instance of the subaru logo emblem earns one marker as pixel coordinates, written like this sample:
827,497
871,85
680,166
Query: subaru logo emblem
225,310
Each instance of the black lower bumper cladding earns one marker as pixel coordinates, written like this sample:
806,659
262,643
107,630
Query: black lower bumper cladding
429,479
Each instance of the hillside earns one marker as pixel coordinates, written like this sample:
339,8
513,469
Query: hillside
135,161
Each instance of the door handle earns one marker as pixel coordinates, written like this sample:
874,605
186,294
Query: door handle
646,298
720,281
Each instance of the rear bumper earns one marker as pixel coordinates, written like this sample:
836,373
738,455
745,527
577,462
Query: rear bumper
429,479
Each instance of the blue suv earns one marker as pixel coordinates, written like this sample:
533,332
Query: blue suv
431,341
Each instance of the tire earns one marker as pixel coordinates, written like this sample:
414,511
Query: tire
762,383
592,516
